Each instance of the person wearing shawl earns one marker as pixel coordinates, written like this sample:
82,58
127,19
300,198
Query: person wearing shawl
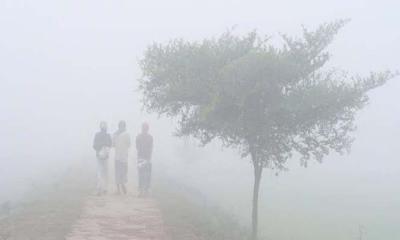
121,143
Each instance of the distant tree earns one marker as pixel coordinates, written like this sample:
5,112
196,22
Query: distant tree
269,102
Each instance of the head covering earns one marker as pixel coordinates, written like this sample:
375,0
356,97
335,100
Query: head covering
121,127
103,126
145,127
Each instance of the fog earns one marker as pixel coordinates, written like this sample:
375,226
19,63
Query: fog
67,65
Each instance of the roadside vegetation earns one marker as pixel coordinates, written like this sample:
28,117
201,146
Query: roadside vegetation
48,211
189,216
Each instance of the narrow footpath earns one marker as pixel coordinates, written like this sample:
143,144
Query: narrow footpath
119,217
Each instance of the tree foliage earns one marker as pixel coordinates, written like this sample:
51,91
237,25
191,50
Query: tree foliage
265,100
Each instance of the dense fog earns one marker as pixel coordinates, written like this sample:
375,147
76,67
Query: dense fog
67,65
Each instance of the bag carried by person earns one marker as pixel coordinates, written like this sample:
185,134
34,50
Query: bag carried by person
104,153
141,163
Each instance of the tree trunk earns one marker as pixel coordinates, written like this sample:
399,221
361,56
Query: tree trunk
257,178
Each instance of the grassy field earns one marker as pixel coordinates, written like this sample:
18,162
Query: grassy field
188,215
48,211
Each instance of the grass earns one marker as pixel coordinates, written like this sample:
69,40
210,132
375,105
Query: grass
188,216
48,212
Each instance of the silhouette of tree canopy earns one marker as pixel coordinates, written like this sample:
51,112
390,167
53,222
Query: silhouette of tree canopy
269,101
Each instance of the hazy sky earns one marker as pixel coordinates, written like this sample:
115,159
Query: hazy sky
65,65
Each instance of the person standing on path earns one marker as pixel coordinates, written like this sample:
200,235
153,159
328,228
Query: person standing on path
102,144
121,143
144,147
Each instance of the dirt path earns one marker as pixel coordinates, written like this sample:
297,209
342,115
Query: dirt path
119,218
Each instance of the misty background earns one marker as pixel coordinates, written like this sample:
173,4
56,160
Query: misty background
66,65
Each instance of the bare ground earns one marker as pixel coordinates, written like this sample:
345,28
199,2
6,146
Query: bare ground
114,217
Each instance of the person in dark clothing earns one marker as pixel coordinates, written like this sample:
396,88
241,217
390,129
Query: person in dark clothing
144,147
102,144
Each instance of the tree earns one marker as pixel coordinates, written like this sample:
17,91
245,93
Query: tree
269,102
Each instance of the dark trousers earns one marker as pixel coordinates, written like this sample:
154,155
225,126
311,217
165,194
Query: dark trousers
144,173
